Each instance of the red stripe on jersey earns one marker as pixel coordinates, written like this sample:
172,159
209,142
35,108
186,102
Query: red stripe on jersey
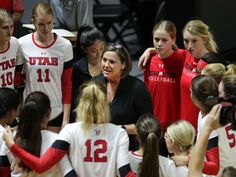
212,166
38,164
67,86
18,79
131,174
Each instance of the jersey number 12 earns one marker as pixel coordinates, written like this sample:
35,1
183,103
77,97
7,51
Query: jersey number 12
98,155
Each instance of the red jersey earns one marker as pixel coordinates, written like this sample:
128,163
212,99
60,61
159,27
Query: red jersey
12,5
162,79
189,111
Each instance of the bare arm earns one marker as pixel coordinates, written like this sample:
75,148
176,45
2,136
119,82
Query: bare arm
145,57
198,152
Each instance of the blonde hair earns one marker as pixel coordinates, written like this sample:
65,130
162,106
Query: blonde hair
199,28
183,134
167,26
41,9
216,70
4,15
93,107
230,69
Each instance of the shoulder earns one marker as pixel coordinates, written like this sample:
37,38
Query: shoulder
80,63
25,38
100,78
48,135
134,84
131,80
14,40
165,163
63,40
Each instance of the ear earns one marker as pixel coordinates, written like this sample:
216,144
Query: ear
123,66
174,40
33,22
204,39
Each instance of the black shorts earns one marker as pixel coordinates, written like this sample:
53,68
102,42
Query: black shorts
57,122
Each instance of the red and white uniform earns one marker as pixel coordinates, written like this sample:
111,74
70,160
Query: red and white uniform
162,79
212,156
49,69
188,111
61,169
227,147
166,166
100,151
11,64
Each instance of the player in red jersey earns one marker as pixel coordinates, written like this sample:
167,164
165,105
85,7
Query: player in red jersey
162,76
95,146
198,41
48,65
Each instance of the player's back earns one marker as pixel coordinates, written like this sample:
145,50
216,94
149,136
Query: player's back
98,152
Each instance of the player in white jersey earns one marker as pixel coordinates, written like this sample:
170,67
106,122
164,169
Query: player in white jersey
10,56
203,87
96,148
48,65
31,135
179,139
146,161
227,136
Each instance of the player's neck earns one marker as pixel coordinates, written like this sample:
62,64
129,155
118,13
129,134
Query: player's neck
44,40
4,46
140,151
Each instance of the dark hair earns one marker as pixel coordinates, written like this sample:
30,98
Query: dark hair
212,57
229,172
10,99
35,109
124,57
203,86
86,37
149,132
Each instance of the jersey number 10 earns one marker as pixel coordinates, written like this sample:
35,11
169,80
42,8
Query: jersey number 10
98,155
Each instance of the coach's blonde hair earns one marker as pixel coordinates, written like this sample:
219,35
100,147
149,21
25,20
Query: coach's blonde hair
41,9
199,28
183,134
216,70
4,15
93,107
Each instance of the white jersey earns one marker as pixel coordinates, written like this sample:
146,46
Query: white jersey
58,170
1,133
182,171
44,68
100,151
166,166
227,147
201,122
226,144
9,59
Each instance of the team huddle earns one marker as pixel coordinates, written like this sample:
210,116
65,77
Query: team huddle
89,117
